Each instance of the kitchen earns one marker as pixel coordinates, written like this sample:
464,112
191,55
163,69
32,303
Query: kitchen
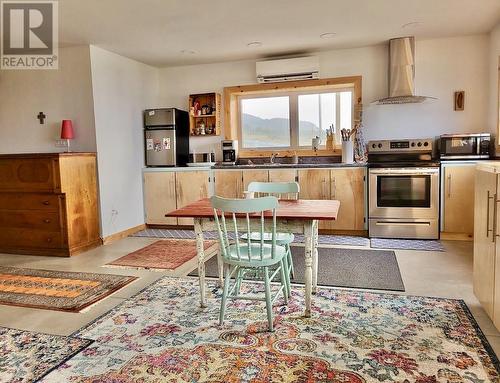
378,137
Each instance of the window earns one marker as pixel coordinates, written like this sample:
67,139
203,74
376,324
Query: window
292,119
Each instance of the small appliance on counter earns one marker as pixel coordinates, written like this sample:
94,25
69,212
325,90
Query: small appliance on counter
201,159
229,152
166,137
473,146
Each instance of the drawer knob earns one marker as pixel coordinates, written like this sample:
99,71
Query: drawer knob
49,240
46,220
46,203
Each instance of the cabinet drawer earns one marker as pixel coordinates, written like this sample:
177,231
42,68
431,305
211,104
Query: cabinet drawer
30,201
29,238
41,220
24,174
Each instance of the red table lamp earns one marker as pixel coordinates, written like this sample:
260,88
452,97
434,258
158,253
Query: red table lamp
67,131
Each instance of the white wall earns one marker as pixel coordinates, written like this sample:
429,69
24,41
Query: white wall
442,67
65,93
494,66
122,89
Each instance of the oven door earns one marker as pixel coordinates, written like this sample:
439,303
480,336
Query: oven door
404,193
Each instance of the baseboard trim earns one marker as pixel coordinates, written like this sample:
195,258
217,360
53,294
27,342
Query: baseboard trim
456,237
122,234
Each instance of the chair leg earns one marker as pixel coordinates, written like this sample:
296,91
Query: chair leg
288,289
269,305
284,283
224,295
290,261
239,278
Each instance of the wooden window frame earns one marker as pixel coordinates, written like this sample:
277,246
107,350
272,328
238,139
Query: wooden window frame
233,94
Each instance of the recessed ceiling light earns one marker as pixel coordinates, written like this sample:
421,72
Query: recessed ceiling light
413,24
188,52
328,35
254,44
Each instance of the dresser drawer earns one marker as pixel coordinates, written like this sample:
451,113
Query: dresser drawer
31,201
41,220
29,238
28,174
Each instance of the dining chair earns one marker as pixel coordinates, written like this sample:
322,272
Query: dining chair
287,190
263,259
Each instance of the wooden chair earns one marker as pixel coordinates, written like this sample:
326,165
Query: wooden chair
259,257
287,190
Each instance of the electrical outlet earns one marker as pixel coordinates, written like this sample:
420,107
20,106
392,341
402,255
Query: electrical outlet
61,143
114,212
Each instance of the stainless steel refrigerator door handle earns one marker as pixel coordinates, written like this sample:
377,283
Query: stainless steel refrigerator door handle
488,214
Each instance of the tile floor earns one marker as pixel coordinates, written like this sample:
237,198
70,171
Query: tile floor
441,274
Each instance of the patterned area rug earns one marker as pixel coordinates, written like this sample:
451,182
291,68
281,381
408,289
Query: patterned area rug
28,356
406,244
166,254
56,290
347,240
162,335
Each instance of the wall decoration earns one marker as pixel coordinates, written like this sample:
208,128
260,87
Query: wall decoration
459,100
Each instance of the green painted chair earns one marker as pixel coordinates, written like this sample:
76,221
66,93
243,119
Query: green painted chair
287,190
258,257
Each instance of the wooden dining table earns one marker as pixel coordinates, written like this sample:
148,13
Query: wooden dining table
292,216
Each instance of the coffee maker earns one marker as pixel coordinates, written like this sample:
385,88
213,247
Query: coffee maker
229,152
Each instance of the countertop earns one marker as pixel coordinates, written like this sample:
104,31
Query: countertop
254,167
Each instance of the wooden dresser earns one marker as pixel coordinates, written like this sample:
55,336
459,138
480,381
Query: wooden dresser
48,203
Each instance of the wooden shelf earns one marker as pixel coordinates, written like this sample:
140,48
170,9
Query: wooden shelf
212,120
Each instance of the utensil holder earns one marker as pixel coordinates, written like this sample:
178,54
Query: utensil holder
347,152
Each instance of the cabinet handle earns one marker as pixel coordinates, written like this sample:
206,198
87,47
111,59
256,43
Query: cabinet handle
495,202
324,188
449,185
488,214
46,220
46,203
49,240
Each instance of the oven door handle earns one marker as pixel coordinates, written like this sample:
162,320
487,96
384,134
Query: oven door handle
399,223
405,171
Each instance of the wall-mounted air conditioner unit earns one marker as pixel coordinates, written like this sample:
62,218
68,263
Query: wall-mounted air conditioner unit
301,68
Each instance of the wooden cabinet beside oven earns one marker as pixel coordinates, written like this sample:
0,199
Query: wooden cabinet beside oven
48,203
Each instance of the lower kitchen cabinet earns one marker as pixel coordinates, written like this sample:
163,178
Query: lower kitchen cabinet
228,183
486,275
190,186
258,175
458,198
159,197
348,186
283,175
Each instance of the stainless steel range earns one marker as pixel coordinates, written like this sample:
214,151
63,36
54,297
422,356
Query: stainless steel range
403,189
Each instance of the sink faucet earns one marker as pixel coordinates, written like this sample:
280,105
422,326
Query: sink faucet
273,157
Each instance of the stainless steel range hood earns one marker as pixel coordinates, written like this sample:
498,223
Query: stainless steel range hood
402,73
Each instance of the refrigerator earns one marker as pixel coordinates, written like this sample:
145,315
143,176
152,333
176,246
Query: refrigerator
166,137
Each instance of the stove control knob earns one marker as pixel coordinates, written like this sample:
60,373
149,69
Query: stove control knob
419,144
374,146
426,143
412,144
380,146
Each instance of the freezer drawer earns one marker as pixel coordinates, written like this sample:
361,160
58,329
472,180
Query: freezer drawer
159,117
403,228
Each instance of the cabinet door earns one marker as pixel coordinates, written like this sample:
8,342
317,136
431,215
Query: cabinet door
159,197
191,186
348,186
229,183
258,175
315,184
484,240
282,175
458,204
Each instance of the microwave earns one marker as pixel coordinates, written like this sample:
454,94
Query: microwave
465,146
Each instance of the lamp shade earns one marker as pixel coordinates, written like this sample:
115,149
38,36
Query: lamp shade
67,130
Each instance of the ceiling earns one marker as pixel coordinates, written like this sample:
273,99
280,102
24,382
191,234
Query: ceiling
175,32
